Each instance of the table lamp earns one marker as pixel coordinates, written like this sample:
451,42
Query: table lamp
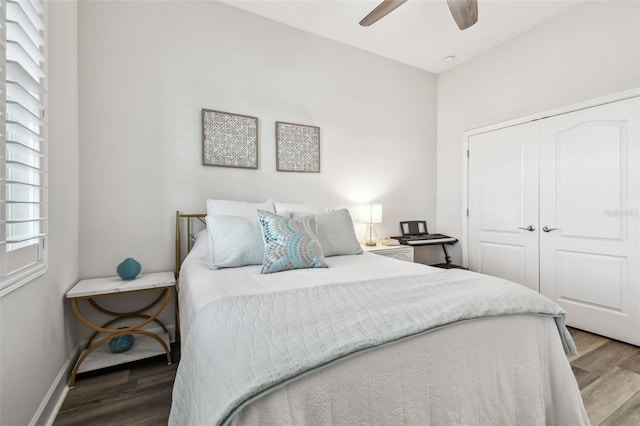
371,214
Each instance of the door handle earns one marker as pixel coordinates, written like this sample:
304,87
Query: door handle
547,229
529,228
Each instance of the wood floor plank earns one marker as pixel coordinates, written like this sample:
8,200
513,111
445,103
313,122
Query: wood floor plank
632,363
165,379
627,415
584,378
97,407
608,393
83,397
605,357
152,367
126,408
585,342
102,380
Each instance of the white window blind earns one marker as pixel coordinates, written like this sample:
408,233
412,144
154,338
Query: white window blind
23,148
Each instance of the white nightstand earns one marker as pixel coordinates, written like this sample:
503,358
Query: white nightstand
146,344
400,252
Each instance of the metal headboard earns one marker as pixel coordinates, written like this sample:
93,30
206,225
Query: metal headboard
190,235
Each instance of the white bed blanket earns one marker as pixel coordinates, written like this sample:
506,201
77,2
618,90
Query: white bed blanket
465,375
241,347
510,371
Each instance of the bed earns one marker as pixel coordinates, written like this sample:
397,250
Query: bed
362,339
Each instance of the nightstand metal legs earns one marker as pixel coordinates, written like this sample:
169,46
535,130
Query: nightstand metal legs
107,328
134,314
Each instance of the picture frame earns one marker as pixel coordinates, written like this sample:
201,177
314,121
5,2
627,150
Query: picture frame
297,148
229,140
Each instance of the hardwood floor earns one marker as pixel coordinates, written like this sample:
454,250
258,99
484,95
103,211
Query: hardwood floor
138,395
607,372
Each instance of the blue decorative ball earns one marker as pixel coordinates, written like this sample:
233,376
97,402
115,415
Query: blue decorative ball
128,269
121,343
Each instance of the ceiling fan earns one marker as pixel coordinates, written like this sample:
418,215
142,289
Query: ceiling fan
464,12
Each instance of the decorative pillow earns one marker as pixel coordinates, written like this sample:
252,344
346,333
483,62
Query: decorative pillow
303,208
234,241
289,243
237,208
336,233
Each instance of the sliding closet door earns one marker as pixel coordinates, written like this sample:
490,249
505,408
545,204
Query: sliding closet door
503,204
589,217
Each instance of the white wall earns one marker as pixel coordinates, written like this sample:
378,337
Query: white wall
591,51
148,68
36,339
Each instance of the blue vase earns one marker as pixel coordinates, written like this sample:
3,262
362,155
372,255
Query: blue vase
128,269
121,343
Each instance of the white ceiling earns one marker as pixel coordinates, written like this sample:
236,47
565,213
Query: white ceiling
419,33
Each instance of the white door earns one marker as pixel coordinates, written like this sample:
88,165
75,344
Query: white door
589,217
503,204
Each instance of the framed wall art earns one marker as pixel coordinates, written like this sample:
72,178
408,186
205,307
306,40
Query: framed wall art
297,148
229,140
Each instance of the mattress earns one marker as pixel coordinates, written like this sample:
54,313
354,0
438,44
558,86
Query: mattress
499,370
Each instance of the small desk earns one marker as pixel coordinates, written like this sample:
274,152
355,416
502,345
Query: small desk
148,343
443,242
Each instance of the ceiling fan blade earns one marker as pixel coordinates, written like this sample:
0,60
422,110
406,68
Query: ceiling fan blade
382,10
465,12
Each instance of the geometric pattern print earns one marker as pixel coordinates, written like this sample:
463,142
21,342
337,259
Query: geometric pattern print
229,140
290,243
298,147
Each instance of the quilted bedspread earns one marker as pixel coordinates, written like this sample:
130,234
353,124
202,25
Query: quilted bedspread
243,347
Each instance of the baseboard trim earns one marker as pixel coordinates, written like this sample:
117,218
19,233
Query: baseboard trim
50,406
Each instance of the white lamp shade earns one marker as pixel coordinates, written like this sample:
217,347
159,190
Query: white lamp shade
371,213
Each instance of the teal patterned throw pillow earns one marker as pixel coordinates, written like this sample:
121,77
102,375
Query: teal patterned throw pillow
290,243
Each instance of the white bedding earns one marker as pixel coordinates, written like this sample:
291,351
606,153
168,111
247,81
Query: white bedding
467,374
199,285
509,370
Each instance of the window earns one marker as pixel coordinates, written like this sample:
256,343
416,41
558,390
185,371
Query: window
23,148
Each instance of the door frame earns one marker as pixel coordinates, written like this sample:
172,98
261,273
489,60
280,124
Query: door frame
614,97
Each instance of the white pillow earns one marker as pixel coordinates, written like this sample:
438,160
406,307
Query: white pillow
336,233
227,242
304,208
237,208
201,245
234,241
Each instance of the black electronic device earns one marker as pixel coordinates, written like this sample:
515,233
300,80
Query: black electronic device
415,233
416,230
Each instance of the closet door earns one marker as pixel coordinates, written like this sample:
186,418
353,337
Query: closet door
503,204
589,217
